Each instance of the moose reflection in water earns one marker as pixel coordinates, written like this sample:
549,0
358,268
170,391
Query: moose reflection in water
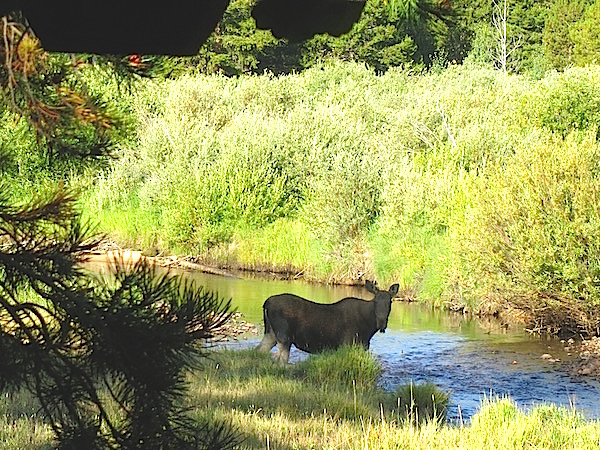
313,327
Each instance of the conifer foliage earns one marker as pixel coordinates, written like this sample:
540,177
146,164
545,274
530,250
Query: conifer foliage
46,91
106,358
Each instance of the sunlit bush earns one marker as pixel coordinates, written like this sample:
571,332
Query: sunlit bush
340,174
568,101
531,235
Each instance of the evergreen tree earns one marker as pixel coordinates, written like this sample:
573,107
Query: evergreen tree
106,360
585,35
389,33
46,91
236,46
558,45
525,21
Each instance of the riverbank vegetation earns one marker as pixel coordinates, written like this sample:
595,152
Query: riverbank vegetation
316,404
472,188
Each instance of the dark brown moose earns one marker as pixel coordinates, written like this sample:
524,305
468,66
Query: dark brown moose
314,327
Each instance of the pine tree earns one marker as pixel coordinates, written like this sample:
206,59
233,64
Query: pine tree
559,47
106,359
585,35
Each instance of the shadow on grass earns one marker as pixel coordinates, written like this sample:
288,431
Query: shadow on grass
258,396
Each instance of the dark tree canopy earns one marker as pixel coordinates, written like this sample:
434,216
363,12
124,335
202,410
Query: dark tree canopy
138,26
106,358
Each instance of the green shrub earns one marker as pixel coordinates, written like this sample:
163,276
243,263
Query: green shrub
343,196
338,174
538,232
568,101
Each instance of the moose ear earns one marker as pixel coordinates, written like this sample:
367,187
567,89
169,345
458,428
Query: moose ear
394,289
371,287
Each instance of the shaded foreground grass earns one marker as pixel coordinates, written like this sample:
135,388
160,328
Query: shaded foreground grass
303,406
331,401
21,426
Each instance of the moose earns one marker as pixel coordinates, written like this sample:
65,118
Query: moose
314,327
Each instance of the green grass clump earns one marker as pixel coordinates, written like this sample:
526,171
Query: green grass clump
21,425
501,424
422,403
349,367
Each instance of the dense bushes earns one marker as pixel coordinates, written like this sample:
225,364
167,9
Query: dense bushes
466,185
471,188
538,226
570,102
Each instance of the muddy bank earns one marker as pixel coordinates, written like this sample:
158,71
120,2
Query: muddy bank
130,257
589,358
108,251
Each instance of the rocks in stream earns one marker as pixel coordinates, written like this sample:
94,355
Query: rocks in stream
589,358
236,328
548,357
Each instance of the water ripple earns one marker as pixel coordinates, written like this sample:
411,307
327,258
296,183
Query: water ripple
472,370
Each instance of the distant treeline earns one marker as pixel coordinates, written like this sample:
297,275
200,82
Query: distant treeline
539,35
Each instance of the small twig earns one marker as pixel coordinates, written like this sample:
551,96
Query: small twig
8,55
445,124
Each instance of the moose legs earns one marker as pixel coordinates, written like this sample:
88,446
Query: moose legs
281,337
284,352
267,343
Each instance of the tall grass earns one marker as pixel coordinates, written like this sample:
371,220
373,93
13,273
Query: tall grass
469,187
21,425
349,368
275,407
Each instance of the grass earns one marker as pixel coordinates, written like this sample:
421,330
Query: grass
309,405
21,426
422,403
332,401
